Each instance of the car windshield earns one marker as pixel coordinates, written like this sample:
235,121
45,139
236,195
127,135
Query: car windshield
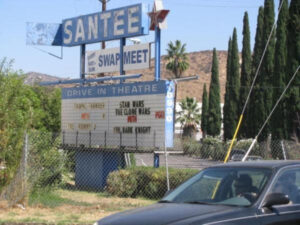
224,186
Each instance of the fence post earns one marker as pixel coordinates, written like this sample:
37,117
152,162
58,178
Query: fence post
76,138
167,168
104,139
25,161
63,138
136,141
120,140
154,138
90,138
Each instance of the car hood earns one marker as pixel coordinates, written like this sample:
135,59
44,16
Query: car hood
165,213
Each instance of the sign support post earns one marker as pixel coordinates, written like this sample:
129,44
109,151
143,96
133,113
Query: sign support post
157,53
82,61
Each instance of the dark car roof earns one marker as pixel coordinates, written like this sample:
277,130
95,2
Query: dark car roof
271,164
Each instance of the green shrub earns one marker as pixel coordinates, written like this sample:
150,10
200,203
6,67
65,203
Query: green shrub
191,147
213,148
121,183
145,182
46,160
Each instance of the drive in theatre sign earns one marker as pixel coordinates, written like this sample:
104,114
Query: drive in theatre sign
142,112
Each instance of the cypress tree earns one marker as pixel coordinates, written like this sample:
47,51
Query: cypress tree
233,90
214,109
245,75
253,114
204,113
292,64
226,115
278,120
267,68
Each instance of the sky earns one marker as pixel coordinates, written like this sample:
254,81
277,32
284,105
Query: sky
200,24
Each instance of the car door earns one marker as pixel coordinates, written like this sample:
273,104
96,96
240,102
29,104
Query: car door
287,182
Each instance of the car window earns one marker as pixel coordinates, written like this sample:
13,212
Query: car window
288,183
228,186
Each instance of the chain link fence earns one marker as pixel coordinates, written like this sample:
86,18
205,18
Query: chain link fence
119,167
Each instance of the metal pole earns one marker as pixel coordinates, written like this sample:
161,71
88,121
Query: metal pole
25,160
90,139
122,44
82,61
283,149
167,168
157,53
103,9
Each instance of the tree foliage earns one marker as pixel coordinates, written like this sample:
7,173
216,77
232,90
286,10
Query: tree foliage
293,62
177,58
245,74
204,113
255,99
278,120
214,108
267,69
233,85
22,109
189,116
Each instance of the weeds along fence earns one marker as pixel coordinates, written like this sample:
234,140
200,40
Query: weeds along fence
118,165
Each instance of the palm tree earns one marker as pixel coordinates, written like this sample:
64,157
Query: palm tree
177,58
189,116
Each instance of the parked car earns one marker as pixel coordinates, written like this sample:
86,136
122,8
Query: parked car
253,192
238,155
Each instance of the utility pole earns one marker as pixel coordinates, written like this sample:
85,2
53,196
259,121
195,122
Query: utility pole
103,9
103,42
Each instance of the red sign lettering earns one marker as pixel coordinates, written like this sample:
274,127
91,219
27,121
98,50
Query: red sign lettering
160,115
131,119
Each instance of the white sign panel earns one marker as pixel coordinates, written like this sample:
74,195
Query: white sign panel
108,60
135,114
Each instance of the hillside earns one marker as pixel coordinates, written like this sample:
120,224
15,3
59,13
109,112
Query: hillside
200,64
32,78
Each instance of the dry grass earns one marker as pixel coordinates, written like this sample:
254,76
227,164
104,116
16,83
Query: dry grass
80,208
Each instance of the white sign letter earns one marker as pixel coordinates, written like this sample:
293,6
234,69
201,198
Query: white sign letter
105,17
132,19
79,30
93,27
118,22
68,32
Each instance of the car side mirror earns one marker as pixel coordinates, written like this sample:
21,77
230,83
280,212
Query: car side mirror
276,199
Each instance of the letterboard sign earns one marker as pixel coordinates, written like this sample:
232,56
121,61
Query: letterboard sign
141,114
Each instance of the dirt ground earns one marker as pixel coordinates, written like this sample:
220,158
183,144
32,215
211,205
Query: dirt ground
88,208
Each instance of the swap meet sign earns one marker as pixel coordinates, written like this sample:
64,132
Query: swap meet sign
142,112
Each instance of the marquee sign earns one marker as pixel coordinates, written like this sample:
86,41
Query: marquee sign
113,24
108,60
143,112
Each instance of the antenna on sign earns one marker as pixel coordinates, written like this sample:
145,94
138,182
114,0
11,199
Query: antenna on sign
49,53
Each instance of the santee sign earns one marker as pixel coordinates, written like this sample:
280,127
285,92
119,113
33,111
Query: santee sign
142,112
108,60
113,24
